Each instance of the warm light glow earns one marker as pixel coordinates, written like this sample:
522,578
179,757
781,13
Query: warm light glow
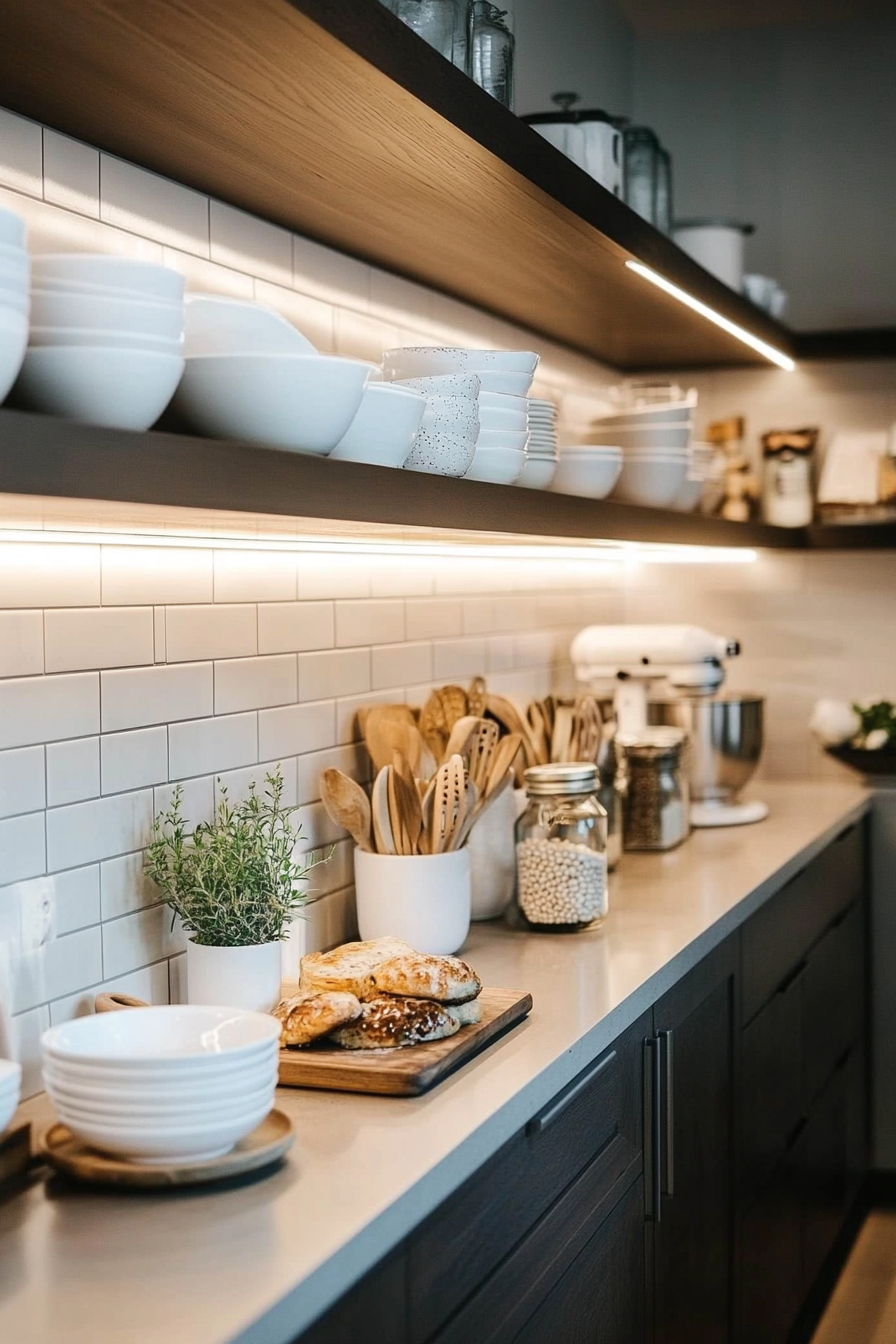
740,333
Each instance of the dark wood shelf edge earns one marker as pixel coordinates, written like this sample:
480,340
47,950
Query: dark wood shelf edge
860,343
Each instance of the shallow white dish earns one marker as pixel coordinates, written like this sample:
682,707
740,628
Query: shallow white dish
538,473
441,454
512,384
592,476
496,438
298,403
503,401
118,340
12,229
121,389
651,483
502,420
443,385
176,1036
226,1105
414,361
152,1144
217,325
10,1088
500,466
121,274
150,1087
163,319
384,429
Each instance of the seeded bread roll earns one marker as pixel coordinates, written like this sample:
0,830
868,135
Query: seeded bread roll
307,1017
387,1022
445,979
349,968
465,1014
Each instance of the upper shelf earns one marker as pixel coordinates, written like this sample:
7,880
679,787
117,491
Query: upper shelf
331,118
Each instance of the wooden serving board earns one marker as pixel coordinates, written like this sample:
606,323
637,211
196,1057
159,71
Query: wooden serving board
408,1071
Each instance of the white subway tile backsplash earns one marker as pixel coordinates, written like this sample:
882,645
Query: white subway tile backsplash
135,940
71,174
21,158
400,576
72,961
255,683
348,728
454,659
134,699
428,618
21,643
27,1029
138,575
400,664
73,771
208,277
100,829
45,709
81,638
294,729
237,782
76,899
250,244
205,746
361,336
330,576
124,886
295,626
197,799
135,759
22,781
159,640
255,576
22,848
150,983
210,632
351,760
369,622
311,316
34,574
144,203
340,672
330,275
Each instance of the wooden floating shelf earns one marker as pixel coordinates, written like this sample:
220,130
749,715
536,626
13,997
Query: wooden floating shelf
332,118
45,456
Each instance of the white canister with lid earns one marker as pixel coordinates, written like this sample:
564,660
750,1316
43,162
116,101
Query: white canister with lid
588,136
717,245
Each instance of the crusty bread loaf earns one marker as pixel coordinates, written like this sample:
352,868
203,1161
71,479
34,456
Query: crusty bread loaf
349,968
306,1017
465,1014
445,979
387,1022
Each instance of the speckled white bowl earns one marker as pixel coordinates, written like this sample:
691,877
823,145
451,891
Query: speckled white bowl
444,385
419,360
451,415
441,454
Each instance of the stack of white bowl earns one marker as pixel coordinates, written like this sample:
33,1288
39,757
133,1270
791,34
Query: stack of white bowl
10,1086
106,339
589,469
505,377
15,278
543,456
446,440
165,1085
656,450
700,461
251,375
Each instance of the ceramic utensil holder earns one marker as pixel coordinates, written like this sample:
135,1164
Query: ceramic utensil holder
234,977
422,898
493,858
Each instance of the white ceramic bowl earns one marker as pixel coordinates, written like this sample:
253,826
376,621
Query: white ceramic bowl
416,361
441,454
154,1086
169,1114
663,412
17,299
121,389
13,343
688,496
503,401
216,325
497,438
500,466
15,269
12,229
163,320
538,473
119,340
298,403
443,385
651,483
513,384
384,429
10,1086
163,1146
502,420
123,275
592,476
652,436
172,1036
451,415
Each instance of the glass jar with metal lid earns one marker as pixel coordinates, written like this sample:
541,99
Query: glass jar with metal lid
656,803
561,850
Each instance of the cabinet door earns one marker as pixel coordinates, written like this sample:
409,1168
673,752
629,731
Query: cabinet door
771,1256
600,1299
824,1159
374,1309
833,1001
695,1025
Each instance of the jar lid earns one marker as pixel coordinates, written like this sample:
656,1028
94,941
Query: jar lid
652,743
565,777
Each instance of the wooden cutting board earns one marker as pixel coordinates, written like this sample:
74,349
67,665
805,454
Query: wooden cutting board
408,1071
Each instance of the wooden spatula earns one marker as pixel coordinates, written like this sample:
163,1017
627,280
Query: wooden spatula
379,808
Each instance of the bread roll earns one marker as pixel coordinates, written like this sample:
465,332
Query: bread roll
349,968
307,1017
387,1022
465,1014
445,979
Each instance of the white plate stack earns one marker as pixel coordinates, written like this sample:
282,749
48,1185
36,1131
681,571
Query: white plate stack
163,1086
10,1086
15,279
655,444
542,455
106,339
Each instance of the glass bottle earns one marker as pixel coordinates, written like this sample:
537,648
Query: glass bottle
490,46
656,802
663,206
561,850
441,23
641,154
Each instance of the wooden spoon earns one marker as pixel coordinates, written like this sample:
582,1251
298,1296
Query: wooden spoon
562,735
506,712
462,834
482,747
346,803
538,729
408,800
502,761
460,737
448,804
477,696
379,808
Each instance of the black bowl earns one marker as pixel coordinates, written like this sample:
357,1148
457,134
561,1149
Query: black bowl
881,762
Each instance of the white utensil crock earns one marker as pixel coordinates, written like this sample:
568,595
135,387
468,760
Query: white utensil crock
422,898
234,977
493,858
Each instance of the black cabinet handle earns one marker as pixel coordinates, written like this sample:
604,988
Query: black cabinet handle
653,1142
667,1085
539,1123
791,979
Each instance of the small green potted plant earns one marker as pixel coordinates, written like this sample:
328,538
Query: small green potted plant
235,884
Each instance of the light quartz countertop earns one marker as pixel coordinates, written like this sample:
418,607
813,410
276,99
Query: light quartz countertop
255,1265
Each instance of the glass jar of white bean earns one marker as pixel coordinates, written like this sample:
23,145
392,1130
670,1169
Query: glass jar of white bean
561,850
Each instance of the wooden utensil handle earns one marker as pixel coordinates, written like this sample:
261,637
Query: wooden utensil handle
112,1003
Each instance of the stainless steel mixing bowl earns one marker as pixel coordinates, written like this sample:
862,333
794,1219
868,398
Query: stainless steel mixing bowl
725,740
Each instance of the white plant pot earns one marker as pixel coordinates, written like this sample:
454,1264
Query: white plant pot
493,858
234,977
422,898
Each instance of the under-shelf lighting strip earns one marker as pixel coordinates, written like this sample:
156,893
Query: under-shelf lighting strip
740,333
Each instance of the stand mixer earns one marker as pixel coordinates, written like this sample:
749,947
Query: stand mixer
684,665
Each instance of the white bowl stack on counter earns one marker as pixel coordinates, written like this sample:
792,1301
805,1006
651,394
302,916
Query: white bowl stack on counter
163,1086
106,339
10,1087
498,450
542,455
15,279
